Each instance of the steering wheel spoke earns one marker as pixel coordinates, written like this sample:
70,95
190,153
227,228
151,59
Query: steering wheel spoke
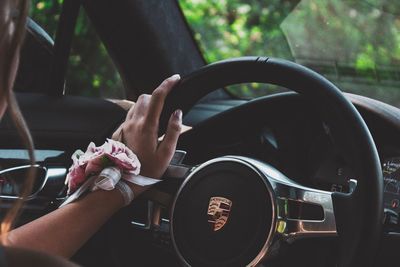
160,197
304,212
301,211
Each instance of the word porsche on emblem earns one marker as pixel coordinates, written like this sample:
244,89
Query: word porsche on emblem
219,209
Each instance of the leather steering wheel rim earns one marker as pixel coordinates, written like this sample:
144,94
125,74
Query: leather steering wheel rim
359,234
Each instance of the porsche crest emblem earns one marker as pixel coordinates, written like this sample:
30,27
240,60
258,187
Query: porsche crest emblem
219,209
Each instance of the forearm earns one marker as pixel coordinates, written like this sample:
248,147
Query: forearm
63,231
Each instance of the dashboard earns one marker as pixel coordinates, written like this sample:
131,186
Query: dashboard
391,178
283,130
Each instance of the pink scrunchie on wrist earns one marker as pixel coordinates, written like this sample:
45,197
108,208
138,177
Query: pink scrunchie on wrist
95,159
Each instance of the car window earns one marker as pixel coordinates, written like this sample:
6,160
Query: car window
355,44
91,71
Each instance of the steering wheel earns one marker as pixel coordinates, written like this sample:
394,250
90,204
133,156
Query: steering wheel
235,211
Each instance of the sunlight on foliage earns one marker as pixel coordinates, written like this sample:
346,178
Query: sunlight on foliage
355,44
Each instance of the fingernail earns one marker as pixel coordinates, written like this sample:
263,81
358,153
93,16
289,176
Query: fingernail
178,114
175,77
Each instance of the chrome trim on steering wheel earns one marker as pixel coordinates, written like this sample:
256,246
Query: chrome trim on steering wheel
286,189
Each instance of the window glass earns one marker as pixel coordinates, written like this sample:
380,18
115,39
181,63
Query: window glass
46,13
91,72
355,44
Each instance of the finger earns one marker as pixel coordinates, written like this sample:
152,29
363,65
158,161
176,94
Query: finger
131,110
168,145
159,95
140,109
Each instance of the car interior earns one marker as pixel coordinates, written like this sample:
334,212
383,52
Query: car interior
308,176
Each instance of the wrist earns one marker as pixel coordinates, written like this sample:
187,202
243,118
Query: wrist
113,198
138,189
126,192
105,168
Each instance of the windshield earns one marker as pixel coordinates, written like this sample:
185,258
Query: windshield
354,43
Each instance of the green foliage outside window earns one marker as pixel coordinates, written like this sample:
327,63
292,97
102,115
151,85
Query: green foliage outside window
90,70
354,43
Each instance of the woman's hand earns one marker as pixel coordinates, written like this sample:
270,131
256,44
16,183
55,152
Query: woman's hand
140,130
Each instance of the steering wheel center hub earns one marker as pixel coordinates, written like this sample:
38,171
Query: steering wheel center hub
223,215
